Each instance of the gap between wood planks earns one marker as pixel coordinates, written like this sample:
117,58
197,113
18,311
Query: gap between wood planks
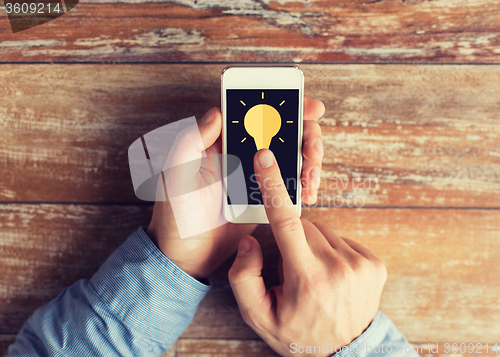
305,208
113,63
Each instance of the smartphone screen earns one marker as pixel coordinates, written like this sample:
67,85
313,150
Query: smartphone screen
258,118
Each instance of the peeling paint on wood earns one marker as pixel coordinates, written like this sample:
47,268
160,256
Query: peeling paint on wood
212,347
268,31
422,136
394,135
442,283
36,268
441,286
247,348
7,340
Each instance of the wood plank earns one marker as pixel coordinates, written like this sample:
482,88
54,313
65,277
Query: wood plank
394,135
188,347
442,264
442,31
443,349
391,131
442,283
221,348
172,352
5,342
442,268
46,248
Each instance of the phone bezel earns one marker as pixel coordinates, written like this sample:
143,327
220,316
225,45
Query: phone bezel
260,77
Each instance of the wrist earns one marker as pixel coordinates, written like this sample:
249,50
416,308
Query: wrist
369,337
189,266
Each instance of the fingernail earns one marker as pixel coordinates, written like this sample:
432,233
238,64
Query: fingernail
266,158
318,146
245,246
209,116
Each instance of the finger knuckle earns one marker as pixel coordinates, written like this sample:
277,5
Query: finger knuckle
359,263
381,269
274,183
345,272
185,136
313,126
253,317
248,316
374,268
232,275
316,126
236,276
289,224
313,283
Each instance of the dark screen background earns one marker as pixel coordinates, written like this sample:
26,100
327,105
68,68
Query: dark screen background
285,152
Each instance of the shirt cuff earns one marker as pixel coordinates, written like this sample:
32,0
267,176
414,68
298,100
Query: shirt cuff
146,290
381,338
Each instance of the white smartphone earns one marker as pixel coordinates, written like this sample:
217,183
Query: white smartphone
262,107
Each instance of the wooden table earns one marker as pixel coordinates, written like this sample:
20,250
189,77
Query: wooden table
412,91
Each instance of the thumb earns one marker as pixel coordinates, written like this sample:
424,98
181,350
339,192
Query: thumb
247,284
210,127
191,142
188,153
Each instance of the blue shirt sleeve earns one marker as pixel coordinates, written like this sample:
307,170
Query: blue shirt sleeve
380,339
137,304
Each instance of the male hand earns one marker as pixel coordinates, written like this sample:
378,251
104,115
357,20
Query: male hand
331,286
200,255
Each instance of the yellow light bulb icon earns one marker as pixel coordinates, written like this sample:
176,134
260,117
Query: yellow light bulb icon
262,122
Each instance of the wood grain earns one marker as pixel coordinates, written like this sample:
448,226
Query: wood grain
441,286
172,352
46,248
441,349
419,144
188,347
193,347
417,31
221,348
442,265
5,342
394,135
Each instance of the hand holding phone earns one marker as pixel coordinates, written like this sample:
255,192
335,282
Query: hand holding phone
263,108
199,257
